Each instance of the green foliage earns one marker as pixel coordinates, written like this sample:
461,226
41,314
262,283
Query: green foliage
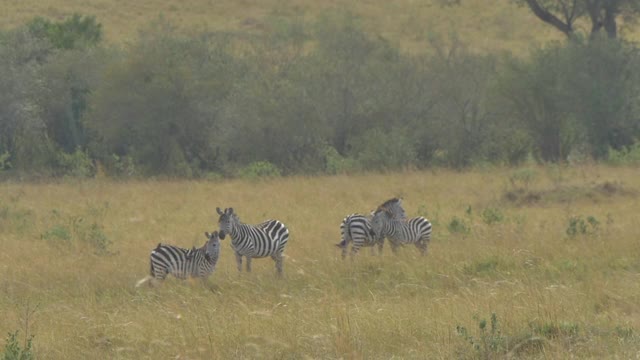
336,164
492,215
522,178
5,164
122,166
13,350
629,155
376,149
487,343
552,330
259,170
76,31
58,232
458,226
580,226
77,164
85,230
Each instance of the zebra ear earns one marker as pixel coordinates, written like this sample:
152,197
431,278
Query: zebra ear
230,210
207,235
218,210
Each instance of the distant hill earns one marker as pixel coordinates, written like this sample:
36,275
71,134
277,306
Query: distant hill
484,25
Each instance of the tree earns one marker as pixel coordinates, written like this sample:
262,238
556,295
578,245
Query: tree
564,14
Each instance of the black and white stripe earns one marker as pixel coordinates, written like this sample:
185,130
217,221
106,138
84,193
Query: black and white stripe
254,241
183,263
400,232
356,228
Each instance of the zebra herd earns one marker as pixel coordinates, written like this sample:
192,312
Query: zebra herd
268,239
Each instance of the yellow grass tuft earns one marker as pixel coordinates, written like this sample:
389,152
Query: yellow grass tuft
553,294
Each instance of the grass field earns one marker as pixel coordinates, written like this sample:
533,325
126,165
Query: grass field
407,23
553,252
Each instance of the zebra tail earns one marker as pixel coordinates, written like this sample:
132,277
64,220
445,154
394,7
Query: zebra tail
143,281
342,244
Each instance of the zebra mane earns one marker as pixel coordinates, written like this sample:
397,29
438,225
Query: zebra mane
393,208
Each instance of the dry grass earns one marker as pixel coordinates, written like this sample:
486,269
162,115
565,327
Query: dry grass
554,296
495,27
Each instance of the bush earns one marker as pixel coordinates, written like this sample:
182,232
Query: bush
77,164
259,170
377,149
629,155
13,350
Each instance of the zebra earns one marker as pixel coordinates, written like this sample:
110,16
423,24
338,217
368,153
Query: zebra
416,230
182,263
357,228
254,241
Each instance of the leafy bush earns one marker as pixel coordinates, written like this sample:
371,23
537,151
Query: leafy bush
259,170
489,343
13,350
377,149
458,226
580,226
76,31
629,155
492,215
77,165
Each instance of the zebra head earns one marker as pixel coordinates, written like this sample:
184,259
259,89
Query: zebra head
228,219
212,246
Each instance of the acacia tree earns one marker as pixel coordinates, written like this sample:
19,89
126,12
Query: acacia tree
602,14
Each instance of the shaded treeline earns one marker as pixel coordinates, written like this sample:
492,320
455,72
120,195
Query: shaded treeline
302,98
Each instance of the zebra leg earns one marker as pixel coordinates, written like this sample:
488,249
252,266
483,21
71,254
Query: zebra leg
248,263
380,245
278,259
422,245
239,262
354,250
344,251
394,247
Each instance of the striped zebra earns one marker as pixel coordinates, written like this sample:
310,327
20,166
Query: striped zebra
356,228
400,232
183,263
254,241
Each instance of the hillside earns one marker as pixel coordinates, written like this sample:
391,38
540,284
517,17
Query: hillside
503,26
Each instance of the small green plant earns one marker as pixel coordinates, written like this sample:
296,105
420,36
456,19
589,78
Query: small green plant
458,226
337,164
488,343
58,232
625,156
13,350
123,166
5,164
554,330
259,170
580,226
492,215
77,164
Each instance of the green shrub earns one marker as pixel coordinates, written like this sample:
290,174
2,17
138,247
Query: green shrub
377,149
626,156
580,226
492,215
458,226
13,350
259,170
77,164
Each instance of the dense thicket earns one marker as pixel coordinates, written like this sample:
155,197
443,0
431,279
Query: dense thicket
322,97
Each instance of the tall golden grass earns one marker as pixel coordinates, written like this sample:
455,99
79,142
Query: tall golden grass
486,26
554,295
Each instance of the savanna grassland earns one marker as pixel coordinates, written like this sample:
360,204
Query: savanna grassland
409,23
553,252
